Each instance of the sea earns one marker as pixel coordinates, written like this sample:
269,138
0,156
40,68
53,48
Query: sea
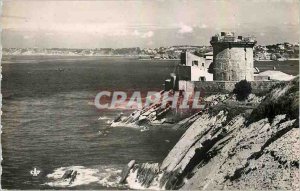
50,123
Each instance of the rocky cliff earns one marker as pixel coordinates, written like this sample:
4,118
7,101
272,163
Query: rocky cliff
233,145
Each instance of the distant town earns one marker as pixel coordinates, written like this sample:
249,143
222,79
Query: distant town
279,52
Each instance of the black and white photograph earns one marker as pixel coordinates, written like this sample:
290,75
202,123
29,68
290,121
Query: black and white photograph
150,94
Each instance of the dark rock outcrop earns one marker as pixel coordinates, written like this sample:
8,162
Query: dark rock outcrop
126,171
227,148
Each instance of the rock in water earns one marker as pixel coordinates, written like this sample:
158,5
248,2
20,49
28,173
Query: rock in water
126,171
73,176
67,174
117,119
146,173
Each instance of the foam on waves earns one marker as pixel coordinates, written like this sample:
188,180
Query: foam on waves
104,176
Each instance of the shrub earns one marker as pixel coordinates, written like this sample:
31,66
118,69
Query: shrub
211,68
287,103
242,90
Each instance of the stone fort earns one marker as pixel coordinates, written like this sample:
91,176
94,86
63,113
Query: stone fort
232,57
230,62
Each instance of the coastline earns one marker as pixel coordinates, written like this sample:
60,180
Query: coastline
76,55
231,146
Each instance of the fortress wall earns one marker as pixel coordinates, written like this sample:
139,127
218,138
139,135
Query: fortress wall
215,87
233,63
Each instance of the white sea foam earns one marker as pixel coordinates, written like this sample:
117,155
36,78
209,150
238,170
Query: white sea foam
144,129
90,103
132,182
121,124
105,176
104,118
108,120
110,178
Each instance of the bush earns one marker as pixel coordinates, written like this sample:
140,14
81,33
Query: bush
287,103
242,90
211,68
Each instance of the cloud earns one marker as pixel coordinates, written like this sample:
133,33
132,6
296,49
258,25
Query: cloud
136,33
148,34
185,29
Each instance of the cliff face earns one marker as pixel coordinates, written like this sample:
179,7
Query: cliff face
233,146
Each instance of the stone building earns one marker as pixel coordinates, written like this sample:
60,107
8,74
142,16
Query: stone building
232,57
194,68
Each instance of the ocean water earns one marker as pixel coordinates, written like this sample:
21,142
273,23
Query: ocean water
289,66
50,123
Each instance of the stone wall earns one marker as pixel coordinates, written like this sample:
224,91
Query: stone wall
233,63
261,78
215,87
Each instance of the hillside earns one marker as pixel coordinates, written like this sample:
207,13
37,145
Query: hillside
245,146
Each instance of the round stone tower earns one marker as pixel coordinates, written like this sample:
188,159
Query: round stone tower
232,57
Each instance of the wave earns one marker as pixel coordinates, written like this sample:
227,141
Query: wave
104,175
104,118
108,120
133,184
122,124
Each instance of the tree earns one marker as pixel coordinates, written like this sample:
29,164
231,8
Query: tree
211,68
242,90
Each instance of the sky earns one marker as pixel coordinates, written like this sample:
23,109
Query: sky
143,23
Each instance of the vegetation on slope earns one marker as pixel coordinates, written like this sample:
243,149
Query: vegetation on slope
221,151
283,99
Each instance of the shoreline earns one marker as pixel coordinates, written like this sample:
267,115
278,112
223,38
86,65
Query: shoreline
129,56
218,142
88,56
75,55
